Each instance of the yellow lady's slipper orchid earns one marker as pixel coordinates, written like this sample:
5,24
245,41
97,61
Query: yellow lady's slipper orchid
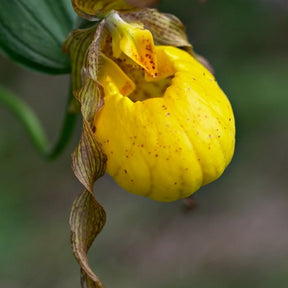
165,133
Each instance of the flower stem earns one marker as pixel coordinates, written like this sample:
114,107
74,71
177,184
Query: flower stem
33,126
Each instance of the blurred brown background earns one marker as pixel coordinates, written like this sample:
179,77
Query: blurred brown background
237,236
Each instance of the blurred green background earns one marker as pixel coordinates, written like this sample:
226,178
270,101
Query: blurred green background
238,234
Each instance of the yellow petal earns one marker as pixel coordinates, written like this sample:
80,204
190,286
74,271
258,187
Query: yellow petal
134,41
109,73
166,148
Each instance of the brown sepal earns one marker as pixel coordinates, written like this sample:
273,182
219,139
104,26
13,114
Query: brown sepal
93,10
142,3
166,29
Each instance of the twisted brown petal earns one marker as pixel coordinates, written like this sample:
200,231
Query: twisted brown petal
76,46
88,159
87,219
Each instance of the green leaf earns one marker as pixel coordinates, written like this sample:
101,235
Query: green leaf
87,219
32,33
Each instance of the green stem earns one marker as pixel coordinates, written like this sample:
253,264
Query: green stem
33,126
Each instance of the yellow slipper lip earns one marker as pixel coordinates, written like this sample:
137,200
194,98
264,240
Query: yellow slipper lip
168,146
